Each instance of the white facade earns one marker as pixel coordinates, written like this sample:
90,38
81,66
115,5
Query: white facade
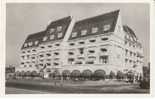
105,51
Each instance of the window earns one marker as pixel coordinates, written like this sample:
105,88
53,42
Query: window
51,30
74,34
126,52
103,50
60,35
56,63
22,63
79,62
72,44
104,59
28,51
30,43
92,41
49,46
23,51
126,60
82,42
51,37
57,44
106,27
42,47
49,64
36,42
48,54
70,53
41,55
83,32
104,39
33,57
94,30
56,53
59,28
90,62
34,50
25,45
81,50
23,57
125,42
45,38
130,53
91,51
70,60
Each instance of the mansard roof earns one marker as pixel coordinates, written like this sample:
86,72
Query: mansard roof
32,38
97,21
64,23
130,32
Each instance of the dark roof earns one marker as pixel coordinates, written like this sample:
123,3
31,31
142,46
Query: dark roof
130,32
97,21
64,22
34,37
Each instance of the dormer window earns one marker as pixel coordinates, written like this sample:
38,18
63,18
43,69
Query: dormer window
30,43
36,42
25,45
45,38
106,27
74,34
94,29
60,35
83,32
51,37
51,30
59,28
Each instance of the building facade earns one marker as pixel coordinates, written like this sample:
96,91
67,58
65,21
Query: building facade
93,44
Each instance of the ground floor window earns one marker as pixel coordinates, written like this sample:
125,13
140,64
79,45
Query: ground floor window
103,59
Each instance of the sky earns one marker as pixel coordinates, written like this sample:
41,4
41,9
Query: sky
23,19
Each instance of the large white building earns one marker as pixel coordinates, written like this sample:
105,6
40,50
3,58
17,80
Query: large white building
99,43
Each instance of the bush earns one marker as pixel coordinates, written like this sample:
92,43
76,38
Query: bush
112,75
99,74
87,74
119,75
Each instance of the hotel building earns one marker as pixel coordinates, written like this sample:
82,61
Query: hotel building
97,43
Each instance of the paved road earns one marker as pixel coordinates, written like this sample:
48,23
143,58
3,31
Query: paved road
11,90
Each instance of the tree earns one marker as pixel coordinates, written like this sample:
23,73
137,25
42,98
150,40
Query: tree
99,74
86,74
112,75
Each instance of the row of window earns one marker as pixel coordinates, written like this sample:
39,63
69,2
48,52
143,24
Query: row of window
52,36
28,51
50,46
81,51
30,44
93,30
52,30
102,59
91,41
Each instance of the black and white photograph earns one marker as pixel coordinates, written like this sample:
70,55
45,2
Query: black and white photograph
77,48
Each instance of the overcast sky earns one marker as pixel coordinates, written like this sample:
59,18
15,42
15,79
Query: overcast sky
24,19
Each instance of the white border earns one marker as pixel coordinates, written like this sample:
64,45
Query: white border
2,48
